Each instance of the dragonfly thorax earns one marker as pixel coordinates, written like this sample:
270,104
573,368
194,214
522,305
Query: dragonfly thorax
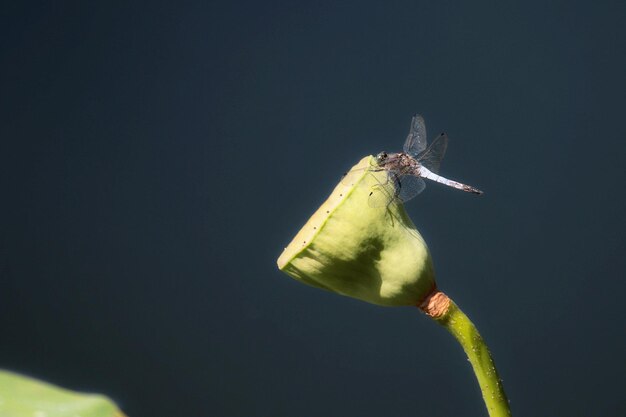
398,162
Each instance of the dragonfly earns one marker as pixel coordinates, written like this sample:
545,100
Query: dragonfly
406,170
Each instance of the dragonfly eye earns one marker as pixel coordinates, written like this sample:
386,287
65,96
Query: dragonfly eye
381,156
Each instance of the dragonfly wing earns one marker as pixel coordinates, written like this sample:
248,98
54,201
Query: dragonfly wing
398,187
416,140
383,192
409,186
432,156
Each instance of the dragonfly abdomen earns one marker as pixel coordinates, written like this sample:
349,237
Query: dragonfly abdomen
426,173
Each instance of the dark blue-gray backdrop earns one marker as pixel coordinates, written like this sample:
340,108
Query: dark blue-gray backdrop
157,157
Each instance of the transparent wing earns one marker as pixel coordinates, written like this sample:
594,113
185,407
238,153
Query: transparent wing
400,187
382,190
383,193
409,186
432,156
416,140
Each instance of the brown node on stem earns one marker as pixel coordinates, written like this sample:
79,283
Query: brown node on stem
436,304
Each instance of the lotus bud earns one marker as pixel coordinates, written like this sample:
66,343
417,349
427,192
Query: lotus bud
374,254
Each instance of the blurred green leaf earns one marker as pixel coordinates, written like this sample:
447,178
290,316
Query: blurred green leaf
21,396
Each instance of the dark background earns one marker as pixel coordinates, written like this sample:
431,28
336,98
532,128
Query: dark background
157,157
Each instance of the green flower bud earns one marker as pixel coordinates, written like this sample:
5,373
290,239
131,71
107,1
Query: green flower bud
373,254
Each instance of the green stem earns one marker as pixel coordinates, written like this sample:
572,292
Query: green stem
445,312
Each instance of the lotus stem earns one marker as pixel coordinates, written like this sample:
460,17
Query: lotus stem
444,311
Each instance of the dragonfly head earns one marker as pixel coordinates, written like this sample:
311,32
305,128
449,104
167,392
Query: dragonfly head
381,157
